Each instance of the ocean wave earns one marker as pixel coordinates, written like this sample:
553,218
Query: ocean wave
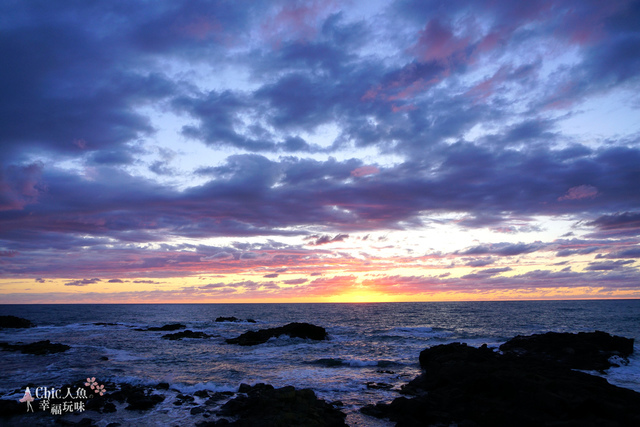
210,386
418,332
354,363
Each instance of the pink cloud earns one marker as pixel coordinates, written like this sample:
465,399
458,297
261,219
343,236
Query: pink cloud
298,21
364,171
580,192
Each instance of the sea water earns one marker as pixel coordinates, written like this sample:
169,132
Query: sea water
368,343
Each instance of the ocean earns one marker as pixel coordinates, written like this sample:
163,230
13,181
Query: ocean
368,343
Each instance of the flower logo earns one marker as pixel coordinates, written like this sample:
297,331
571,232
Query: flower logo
97,388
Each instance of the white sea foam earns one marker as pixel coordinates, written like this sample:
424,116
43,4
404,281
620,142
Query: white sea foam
361,363
626,375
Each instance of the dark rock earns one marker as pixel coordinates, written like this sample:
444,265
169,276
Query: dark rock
15,322
37,348
220,423
12,407
114,425
162,386
294,330
186,334
141,401
85,422
105,324
197,410
95,403
109,407
185,397
218,396
585,350
137,397
378,386
201,393
265,406
478,387
246,388
228,319
169,327
104,358
251,321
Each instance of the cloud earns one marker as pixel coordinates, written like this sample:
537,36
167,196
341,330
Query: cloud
488,272
295,281
503,249
580,192
633,252
364,171
607,265
128,126
82,282
479,262
617,224
571,252
324,239
20,186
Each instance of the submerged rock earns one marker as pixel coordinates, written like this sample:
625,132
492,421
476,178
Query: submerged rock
37,348
228,319
233,319
186,334
264,405
169,327
15,322
294,330
479,387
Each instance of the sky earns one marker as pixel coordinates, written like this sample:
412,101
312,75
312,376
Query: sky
319,151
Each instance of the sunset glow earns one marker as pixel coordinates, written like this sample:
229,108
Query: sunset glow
319,151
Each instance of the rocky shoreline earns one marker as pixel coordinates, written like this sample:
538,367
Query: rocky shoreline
531,381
